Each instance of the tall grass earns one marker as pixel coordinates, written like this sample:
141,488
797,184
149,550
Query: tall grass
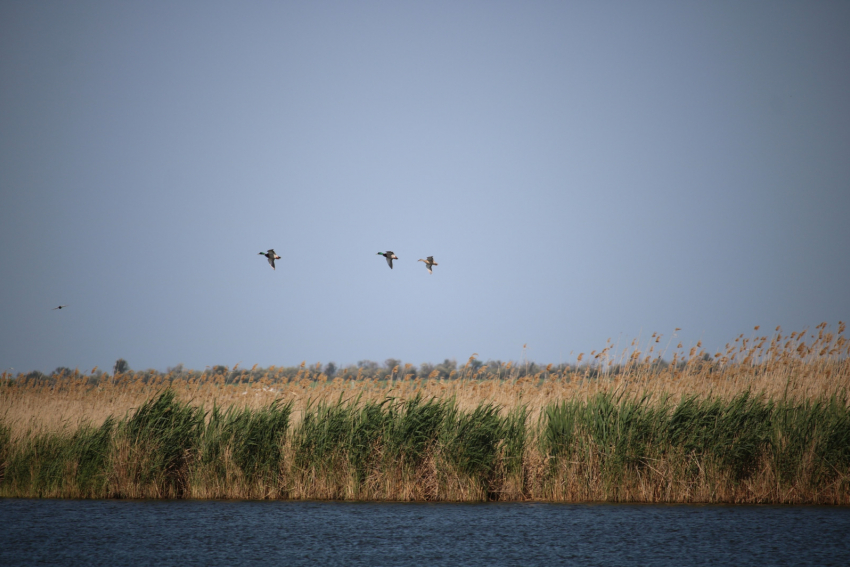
48,464
767,420
744,449
609,447
240,451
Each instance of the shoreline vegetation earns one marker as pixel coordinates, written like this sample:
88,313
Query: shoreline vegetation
766,420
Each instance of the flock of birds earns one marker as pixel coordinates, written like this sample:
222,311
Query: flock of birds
389,255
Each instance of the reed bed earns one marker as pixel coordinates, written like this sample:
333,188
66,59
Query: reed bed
767,420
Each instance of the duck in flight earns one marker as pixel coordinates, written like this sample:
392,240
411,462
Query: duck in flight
428,263
60,307
271,256
390,256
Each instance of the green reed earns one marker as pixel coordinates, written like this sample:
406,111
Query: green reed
52,464
802,444
253,438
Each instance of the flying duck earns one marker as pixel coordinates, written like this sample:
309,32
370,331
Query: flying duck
271,256
60,307
390,256
428,263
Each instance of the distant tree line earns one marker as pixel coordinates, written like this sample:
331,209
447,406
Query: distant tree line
391,369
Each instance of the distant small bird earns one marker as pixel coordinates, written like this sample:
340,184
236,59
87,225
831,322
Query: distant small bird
390,256
271,256
60,307
428,263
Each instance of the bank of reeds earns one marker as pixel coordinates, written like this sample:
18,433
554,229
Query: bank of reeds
767,421
607,448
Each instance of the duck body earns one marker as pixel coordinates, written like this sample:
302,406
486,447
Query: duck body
428,263
390,256
271,256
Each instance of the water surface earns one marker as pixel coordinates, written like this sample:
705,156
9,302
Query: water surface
110,532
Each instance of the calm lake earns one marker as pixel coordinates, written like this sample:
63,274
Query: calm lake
78,532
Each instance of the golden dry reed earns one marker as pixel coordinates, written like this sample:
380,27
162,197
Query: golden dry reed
766,419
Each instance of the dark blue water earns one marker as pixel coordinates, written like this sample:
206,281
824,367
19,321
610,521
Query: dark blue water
77,532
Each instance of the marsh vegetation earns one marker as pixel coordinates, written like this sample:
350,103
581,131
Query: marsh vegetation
765,420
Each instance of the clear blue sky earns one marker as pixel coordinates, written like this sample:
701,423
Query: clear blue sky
579,170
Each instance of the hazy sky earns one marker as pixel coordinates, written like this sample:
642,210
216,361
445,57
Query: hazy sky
579,170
